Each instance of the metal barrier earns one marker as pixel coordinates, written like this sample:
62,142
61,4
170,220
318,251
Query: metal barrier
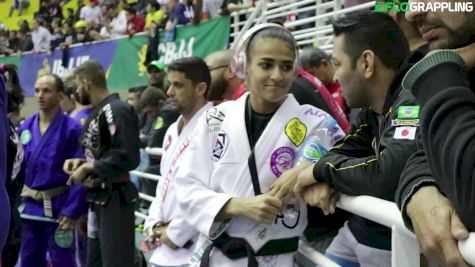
405,249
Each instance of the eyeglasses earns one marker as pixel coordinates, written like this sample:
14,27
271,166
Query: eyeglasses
219,67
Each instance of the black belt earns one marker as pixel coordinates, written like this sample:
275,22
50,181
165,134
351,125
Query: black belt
237,248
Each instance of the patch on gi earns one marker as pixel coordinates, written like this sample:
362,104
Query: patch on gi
214,119
267,261
158,123
112,128
220,146
88,155
399,122
25,137
408,112
313,151
282,159
296,131
405,132
82,121
64,238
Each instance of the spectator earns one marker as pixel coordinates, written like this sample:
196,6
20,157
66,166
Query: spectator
71,18
20,5
118,25
4,42
135,22
13,42
133,99
319,64
154,14
23,25
190,11
436,194
43,12
156,73
40,35
91,12
371,158
55,10
211,8
26,42
57,36
177,12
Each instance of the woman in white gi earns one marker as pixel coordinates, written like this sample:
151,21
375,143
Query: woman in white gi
226,181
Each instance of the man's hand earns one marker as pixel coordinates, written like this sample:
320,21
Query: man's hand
80,174
322,196
283,188
159,236
437,226
262,208
70,165
66,223
305,179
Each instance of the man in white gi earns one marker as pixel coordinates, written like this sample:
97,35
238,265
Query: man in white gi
239,150
189,79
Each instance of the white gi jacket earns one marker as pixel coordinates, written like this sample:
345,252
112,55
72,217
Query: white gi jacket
215,169
164,208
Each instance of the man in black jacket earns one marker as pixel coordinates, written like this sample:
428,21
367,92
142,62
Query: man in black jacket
436,193
370,68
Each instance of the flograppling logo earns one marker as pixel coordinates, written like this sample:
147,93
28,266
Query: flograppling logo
404,6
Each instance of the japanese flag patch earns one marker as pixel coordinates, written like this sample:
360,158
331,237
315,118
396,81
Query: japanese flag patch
408,133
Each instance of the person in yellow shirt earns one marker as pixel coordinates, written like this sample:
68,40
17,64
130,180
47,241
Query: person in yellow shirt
154,14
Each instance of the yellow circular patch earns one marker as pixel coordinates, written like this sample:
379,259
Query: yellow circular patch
296,131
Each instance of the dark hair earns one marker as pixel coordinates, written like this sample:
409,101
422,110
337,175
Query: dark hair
151,96
131,10
14,89
58,83
312,57
93,72
274,33
369,30
194,69
70,86
139,89
154,4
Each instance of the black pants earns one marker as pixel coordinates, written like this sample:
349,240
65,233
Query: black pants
114,245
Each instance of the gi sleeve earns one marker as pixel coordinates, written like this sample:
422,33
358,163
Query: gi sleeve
155,211
123,154
199,204
353,168
75,205
448,127
415,175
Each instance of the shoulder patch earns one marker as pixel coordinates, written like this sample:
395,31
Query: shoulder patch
214,119
408,112
408,133
25,137
220,146
296,131
402,122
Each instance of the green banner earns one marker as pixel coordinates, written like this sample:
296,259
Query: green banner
127,69
196,40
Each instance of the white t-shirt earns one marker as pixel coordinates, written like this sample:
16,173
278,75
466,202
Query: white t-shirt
89,13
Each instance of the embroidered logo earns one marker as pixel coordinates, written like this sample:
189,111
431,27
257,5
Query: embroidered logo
408,112
25,137
399,122
214,119
220,146
282,159
296,131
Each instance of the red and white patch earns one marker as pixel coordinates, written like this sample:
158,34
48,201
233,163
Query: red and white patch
408,133
112,129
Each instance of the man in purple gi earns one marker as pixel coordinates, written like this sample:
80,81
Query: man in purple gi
4,130
51,207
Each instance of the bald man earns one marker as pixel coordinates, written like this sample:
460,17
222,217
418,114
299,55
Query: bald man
224,83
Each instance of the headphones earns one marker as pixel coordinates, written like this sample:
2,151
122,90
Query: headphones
239,61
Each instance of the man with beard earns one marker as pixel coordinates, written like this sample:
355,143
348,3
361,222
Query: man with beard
156,73
111,142
77,108
436,191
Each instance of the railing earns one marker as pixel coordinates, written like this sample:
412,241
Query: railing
315,28
405,249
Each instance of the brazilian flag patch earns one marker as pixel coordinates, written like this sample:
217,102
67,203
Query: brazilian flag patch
408,112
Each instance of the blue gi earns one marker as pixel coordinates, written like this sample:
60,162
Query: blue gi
4,135
44,159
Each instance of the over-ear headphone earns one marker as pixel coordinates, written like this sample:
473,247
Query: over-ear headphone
239,61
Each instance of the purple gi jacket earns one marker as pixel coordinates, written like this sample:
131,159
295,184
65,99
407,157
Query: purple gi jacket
44,159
